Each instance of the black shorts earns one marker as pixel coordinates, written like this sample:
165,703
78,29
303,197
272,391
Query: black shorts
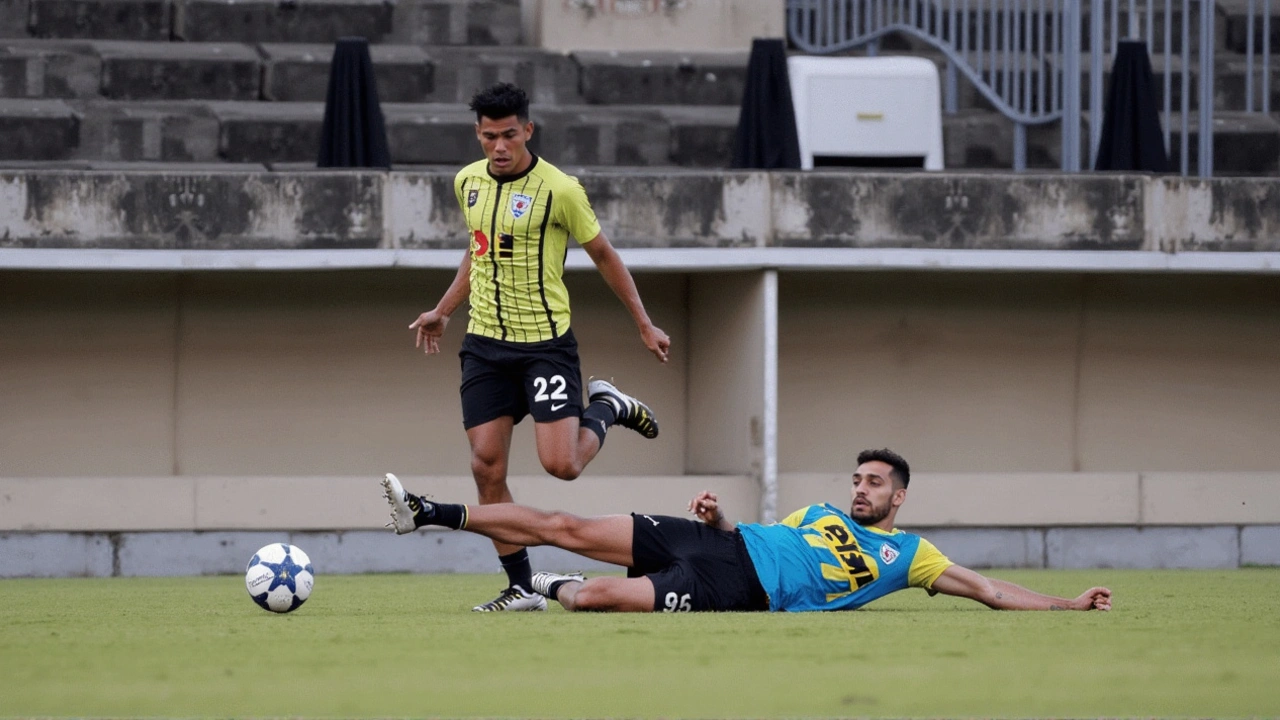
501,379
694,566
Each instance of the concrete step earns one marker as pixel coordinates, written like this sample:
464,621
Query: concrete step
300,72
179,71
13,18
101,19
162,131
550,78
38,130
458,22
613,78
1233,24
307,21
49,69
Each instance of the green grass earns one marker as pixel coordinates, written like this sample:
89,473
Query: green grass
1179,643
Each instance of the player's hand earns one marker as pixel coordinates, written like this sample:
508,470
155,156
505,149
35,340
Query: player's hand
707,507
429,326
656,340
1095,598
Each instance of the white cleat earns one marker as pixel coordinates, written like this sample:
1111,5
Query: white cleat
542,582
401,512
514,599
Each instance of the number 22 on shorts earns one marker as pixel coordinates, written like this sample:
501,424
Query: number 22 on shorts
557,385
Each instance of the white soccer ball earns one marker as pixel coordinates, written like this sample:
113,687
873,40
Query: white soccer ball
279,577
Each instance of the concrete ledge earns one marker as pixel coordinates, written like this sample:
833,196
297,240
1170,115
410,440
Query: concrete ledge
287,504
937,500
1156,547
1260,545
1191,498
639,209
1002,499
56,554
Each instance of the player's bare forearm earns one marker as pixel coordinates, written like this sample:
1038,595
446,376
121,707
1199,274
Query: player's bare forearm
459,290
1004,595
619,279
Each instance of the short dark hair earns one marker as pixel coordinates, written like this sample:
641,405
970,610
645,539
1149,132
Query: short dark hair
500,101
901,470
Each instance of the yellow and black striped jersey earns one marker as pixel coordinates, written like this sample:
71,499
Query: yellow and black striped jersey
520,227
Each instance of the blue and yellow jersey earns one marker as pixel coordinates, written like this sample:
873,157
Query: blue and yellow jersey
818,558
520,227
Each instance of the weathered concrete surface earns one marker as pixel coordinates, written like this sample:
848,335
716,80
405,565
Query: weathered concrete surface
271,21
49,69
662,78
300,72
1260,545
1151,547
1216,214
56,555
147,131
988,547
680,208
549,78
226,553
38,130
197,211
101,19
458,22
959,211
1243,144
179,71
13,18
268,132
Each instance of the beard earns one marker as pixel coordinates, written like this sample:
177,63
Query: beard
870,515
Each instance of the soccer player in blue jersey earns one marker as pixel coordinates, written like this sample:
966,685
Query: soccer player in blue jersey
817,558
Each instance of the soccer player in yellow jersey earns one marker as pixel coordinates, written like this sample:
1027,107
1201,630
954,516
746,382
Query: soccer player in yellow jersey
519,356
818,558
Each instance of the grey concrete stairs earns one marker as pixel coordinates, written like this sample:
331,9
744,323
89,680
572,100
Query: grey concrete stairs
242,81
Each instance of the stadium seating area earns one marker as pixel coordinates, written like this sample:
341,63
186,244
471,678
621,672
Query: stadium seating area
93,83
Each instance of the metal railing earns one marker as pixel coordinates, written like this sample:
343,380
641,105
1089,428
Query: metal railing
1025,57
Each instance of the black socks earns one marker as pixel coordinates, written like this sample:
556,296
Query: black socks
597,418
519,570
453,517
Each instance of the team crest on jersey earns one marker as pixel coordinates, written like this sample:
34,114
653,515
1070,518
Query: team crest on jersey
472,197
888,554
520,205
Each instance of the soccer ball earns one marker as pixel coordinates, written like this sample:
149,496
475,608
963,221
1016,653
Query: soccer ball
279,577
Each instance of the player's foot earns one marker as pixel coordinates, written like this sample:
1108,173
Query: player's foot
543,581
514,599
403,505
631,413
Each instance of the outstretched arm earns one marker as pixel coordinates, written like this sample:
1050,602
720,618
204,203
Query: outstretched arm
1002,595
430,324
615,273
706,505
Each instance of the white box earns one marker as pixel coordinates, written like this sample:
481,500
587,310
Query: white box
875,107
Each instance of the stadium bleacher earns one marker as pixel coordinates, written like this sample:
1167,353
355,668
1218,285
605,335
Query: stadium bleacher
217,81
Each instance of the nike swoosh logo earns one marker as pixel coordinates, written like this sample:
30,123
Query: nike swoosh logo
557,407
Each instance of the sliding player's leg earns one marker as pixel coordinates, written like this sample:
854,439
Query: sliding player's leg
606,538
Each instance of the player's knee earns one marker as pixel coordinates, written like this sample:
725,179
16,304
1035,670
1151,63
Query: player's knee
593,595
562,469
486,464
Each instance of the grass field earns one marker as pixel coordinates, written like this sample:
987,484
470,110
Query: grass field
1179,643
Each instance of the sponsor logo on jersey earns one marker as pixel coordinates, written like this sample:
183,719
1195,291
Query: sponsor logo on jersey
888,554
520,205
481,243
472,197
